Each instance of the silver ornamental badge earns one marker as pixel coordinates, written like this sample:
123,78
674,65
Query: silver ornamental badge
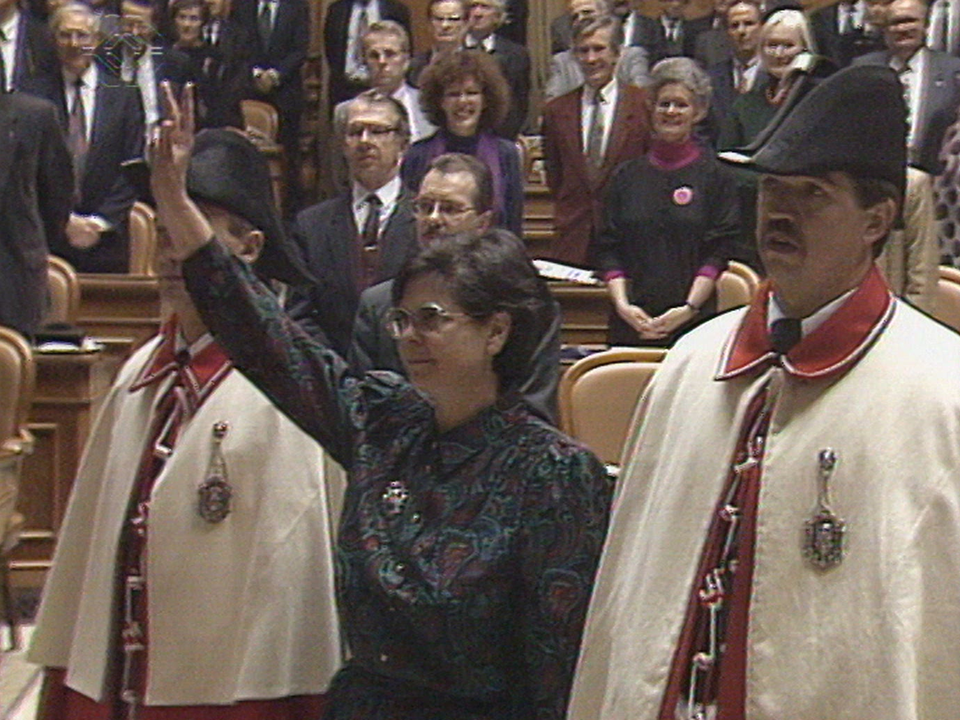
214,493
395,498
823,534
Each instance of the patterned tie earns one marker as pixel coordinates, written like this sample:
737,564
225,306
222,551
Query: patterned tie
77,132
595,134
370,249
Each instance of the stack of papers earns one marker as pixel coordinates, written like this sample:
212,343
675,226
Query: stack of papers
557,271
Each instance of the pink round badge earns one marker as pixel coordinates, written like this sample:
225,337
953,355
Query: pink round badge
683,195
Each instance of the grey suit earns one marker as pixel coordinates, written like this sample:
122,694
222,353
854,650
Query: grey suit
36,190
939,103
372,348
326,235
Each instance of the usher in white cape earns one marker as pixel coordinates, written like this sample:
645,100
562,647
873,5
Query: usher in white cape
238,610
878,636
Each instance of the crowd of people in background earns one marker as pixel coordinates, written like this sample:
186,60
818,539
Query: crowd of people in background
332,486
470,91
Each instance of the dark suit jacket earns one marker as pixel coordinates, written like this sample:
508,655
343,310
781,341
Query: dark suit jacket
372,348
941,98
417,63
117,135
578,197
111,53
561,33
36,55
285,52
514,61
325,234
36,192
842,49
650,34
712,47
335,26
221,78
515,28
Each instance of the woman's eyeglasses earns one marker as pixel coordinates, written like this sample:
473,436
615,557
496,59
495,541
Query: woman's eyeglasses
429,318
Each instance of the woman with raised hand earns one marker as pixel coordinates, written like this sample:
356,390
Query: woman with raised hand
471,530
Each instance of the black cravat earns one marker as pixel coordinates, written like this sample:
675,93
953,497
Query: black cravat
784,334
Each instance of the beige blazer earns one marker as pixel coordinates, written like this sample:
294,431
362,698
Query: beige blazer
911,255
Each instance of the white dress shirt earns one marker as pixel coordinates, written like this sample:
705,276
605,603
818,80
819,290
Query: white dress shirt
388,195
11,31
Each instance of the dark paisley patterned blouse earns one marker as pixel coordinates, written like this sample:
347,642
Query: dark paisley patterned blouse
465,559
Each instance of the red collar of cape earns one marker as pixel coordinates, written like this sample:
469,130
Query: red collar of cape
200,367
831,349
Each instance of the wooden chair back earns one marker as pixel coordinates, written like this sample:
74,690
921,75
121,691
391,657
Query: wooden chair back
947,306
17,377
143,239
598,397
736,286
16,393
63,291
261,118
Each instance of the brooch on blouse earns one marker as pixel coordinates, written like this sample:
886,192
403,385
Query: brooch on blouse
823,533
215,492
683,195
395,498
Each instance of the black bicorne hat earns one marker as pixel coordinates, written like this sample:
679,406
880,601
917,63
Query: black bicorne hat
853,121
227,170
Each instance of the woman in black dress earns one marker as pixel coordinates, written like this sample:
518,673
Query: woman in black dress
670,218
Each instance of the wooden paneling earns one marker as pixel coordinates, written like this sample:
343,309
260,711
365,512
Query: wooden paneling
585,311
69,390
120,307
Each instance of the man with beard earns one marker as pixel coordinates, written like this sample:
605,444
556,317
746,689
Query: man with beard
781,520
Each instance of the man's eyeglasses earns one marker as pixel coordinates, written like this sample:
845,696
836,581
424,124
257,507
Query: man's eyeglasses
424,208
429,318
378,132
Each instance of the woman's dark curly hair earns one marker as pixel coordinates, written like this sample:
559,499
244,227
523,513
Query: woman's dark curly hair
487,274
457,67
